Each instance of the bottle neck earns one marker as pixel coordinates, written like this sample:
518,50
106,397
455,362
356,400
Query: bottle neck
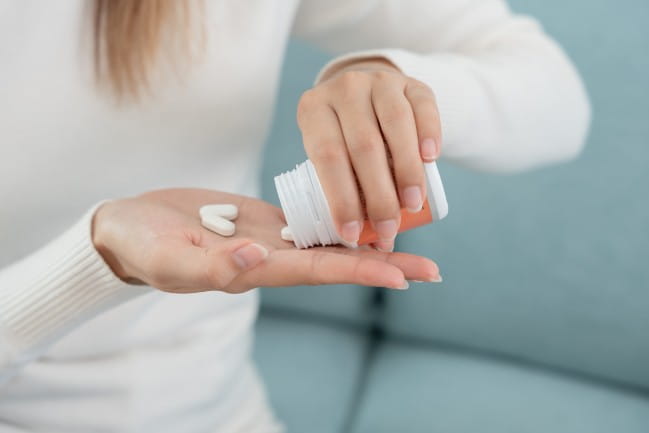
305,207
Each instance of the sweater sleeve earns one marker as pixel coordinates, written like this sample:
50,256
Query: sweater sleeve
50,292
509,98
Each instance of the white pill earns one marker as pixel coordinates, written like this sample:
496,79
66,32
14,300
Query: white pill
227,211
286,234
218,225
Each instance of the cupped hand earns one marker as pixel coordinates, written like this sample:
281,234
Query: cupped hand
363,122
157,239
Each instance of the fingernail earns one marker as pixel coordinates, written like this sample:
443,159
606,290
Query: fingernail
429,149
384,246
386,229
404,286
436,279
350,232
412,198
250,255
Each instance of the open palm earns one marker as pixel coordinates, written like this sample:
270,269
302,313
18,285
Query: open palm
157,239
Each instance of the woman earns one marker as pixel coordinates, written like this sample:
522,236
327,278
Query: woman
114,98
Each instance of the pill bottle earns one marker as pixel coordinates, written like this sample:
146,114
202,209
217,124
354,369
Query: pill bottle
309,217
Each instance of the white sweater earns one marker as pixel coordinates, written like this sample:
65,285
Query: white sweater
81,351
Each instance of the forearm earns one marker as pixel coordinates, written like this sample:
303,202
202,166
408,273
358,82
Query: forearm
508,96
50,292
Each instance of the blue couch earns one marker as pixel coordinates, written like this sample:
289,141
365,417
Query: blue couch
542,322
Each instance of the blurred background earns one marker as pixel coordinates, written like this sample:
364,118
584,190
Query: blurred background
542,321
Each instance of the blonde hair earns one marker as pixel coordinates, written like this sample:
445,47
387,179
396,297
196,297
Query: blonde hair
132,36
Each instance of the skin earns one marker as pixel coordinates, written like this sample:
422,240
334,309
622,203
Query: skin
351,123
363,121
157,239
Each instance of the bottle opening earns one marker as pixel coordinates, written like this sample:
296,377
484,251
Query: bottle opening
305,207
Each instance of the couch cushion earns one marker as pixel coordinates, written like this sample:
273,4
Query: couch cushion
311,371
552,265
415,390
349,304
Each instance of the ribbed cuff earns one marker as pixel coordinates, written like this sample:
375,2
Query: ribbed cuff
448,75
69,283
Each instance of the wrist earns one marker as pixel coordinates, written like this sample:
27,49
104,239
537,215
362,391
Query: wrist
100,234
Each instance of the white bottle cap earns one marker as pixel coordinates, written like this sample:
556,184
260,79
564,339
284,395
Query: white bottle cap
305,207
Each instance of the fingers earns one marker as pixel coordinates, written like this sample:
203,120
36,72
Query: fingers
238,265
396,118
368,155
366,133
429,130
413,267
325,146
318,266
177,265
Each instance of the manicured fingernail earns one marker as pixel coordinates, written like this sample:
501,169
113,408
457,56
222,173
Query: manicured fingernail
384,246
429,149
249,256
436,279
412,198
403,286
350,232
386,229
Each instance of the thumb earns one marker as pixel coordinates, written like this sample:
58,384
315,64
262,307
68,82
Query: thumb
248,256
213,267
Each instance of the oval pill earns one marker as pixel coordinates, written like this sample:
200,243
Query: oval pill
227,211
286,234
218,225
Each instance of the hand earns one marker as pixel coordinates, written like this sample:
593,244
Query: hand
363,119
157,239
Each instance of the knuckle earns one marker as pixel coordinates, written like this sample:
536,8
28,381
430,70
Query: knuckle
411,174
395,113
414,84
308,101
326,152
366,143
346,207
421,91
383,205
386,76
427,106
351,80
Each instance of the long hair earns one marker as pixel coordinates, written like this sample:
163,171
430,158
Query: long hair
133,36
